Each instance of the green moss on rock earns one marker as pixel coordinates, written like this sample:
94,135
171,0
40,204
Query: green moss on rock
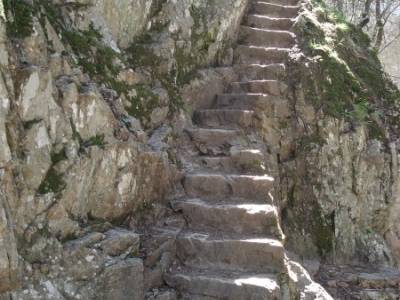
345,78
97,140
52,183
308,219
143,103
96,59
19,18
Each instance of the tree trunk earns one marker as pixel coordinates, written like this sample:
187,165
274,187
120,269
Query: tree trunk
379,25
365,15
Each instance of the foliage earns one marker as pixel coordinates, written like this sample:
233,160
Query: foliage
87,49
97,140
143,103
19,18
347,79
52,183
308,219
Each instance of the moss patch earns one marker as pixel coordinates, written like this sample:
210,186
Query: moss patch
52,183
345,78
87,47
305,217
96,59
201,38
143,103
97,140
19,18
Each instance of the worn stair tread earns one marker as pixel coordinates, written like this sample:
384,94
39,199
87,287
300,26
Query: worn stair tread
267,30
213,132
216,141
224,117
266,49
229,251
218,237
284,2
220,186
258,81
279,32
246,100
232,176
247,54
271,18
259,71
225,285
266,37
241,218
244,208
265,86
275,10
231,237
266,22
222,110
250,208
216,130
260,66
277,4
244,161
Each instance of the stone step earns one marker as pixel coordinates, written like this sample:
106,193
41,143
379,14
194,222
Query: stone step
218,164
239,161
266,37
216,141
246,218
260,72
230,253
187,296
224,117
270,87
229,285
270,106
245,101
260,55
274,10
217,186
282,2
227,164
265,22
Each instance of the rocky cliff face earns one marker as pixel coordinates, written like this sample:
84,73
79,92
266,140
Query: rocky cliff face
94,100
83,86
339,173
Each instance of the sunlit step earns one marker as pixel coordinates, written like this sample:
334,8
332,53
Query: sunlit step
219,285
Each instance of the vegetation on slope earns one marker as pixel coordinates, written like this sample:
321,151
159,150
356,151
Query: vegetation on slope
101,62
354,85
338,73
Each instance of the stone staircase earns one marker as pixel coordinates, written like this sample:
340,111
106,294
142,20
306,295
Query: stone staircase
232,245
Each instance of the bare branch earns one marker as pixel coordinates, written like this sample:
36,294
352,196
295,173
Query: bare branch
389,43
